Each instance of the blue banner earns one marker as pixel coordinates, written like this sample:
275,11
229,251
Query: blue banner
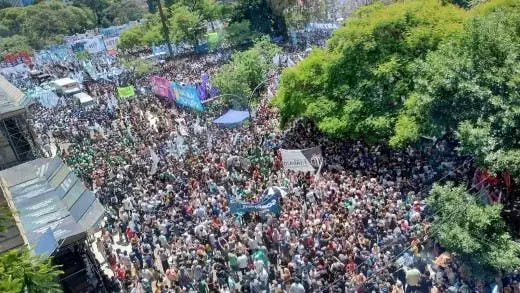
113,31
202,48
78,47
187,96
267,203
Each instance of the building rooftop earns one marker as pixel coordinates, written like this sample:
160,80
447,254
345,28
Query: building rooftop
51,204
12,100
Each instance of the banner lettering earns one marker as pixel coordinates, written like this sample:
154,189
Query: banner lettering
302,160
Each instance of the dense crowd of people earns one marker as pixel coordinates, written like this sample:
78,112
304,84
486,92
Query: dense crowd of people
166,175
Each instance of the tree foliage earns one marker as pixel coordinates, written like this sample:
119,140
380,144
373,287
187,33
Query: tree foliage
356,87
148,32
114,12
471,86
247,70
475,232
20,271
139,66
240,33
121,12
420,68
257,12
42,24
186,25
187,21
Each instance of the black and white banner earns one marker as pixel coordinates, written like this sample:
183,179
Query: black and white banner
302,160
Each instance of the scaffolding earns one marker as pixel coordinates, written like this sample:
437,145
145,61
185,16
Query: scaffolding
16,131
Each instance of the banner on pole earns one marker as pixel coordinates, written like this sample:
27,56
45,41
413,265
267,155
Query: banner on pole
302,160
161,87
111,43
187,96
213,40
126,92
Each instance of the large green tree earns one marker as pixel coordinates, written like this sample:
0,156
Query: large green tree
257,12
186,25
246,72
147,32
42,24
20,270
356,87
471,86
240,33
114,12
475,232
121,12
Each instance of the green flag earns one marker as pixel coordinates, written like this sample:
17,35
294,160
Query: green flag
126,92
213,40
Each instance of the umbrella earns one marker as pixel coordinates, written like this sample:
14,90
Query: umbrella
276,191
413,276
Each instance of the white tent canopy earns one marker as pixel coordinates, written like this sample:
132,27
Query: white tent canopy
67,85
83,99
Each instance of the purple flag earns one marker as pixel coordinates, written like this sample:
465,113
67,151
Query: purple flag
201,90
213,92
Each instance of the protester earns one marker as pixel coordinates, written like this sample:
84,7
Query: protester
166,176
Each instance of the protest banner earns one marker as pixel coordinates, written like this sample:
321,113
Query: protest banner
161,87
17,58
111,43
187,95
126,92
302,160
201,48
113,31
44,95
90,70
78,47
268,203
94,45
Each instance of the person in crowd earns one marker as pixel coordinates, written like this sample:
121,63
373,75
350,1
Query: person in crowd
341,231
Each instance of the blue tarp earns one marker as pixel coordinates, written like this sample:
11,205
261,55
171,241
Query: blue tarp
232,117
46,244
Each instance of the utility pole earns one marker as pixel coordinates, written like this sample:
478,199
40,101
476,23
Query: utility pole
165,29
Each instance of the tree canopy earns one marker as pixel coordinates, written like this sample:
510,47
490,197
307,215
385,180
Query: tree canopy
421,68
475,232
247,70
240,33
114,12
35,26
187,22
471,86
357,85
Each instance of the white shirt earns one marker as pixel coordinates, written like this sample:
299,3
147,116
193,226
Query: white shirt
242,261
296,288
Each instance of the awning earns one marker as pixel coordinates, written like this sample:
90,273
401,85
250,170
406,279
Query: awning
47,244
47,196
